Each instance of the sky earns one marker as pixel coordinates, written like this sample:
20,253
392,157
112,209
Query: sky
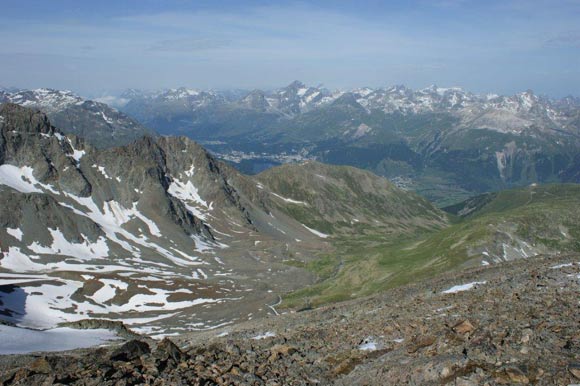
105,46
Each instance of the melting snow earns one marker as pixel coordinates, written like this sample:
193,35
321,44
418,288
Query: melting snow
103,171
107,119
113,215
46,305
266,335
16,233
204,246
19,340
462,287
561,266
61,246
76,154
317,233
369,345
189,172
20,179
289,199
109,290
15,260
153,228
188,192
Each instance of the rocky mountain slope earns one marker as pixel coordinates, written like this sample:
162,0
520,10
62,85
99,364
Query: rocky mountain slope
343,200
513,323
445,143
139,233
159,234
99,124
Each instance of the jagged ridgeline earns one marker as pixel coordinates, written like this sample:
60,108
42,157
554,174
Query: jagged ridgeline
140,232
99,124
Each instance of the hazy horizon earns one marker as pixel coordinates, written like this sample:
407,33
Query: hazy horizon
111,96
500,47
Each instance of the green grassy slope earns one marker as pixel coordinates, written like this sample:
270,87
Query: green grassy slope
512,224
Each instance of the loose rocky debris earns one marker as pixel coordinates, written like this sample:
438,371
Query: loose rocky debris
522,327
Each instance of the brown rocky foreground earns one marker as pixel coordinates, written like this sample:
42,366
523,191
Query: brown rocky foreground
519,325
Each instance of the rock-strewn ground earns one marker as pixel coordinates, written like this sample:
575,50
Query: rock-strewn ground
519,325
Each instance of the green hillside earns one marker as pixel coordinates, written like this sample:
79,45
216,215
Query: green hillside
512,224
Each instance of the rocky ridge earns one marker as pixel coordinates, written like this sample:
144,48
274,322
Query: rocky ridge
514,323
96,122
133,233
495,112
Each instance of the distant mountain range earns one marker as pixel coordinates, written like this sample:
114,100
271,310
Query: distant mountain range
444,143
502,113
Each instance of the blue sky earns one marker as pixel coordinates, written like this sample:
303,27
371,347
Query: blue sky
105,46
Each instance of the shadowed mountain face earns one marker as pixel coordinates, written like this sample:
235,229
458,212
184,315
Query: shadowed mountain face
160,229
444,143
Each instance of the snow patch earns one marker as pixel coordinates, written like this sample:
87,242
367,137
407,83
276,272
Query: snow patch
266,335
187,192
61,246
561,266
317,233
368,345
462,287
102,170
21,341
76,154
17,261
16,233
289,199
20,179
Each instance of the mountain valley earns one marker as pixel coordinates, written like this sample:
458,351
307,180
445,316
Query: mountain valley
161,236
272,193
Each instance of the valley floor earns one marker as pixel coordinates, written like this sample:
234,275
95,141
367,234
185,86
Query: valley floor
511,323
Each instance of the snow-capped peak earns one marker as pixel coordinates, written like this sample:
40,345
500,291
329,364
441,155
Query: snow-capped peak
46,98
